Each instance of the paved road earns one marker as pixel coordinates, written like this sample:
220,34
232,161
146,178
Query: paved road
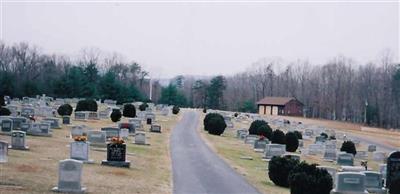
370,140
196,168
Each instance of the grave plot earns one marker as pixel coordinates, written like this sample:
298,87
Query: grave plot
39,169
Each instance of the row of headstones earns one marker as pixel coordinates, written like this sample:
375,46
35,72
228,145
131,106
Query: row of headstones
42,128
373,179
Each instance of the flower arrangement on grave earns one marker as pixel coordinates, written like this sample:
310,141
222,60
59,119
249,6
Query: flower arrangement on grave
261,137
80,138
117,140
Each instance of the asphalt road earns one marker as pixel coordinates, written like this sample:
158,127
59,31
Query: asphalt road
196,168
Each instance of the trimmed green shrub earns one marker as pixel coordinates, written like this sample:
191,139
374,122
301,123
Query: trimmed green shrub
278,137
65,110
4,111
175,110
236,114
214,123
279,169
204,110
129,111
306,179
86,105
395,185
292,142
2,102
116,115
298,134
349,147
260,127
143,106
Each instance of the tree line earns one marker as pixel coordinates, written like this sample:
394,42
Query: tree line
340,89
25,71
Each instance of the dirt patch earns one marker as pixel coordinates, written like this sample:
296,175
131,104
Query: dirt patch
27,168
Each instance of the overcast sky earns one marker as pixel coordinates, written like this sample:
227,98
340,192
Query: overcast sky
207,38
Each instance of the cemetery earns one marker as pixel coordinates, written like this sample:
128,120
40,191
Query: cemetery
80,156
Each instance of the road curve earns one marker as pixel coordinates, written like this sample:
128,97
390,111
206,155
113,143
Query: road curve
196,168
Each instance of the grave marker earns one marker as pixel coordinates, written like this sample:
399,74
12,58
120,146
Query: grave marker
345,159
393,167
80,151
18,141
272,150
70,177
97,138
3,152
116,155
349,182
155,128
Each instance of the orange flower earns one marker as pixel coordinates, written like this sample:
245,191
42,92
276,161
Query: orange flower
117,140
80,138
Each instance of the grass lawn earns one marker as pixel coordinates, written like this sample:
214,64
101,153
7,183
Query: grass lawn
36,171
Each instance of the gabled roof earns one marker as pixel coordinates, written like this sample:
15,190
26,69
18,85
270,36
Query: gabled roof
275,100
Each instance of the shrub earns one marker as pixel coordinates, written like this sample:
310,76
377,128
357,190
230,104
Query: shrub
65,110
214,123
175,110
236,114
143,106
86,105
278,137
332,137
260,127
394,187
298,134
129,111
306,178
279,169
115,115
292,142
2,102
4,111
204,110
324,135
348,147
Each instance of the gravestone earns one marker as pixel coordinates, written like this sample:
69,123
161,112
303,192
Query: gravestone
17,121
27,112
25,127
349,182
239,131
272,150
378,156
3,152
70,177
250,139
39,129
243,136
383,170
97,138
104,114
155,128
308,132
229,124
6,125
124,133
314,149
116,156
373,182
371,148
93,116
150,118
111,132
18,141
260,144
80,115
54,122
330,154
361,155
66,120
320,140
393,167
129,126
77,131
301,143
79,150
345,159
137,123
165,111
140,138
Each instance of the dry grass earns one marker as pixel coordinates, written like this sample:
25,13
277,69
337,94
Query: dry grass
36,171
255,171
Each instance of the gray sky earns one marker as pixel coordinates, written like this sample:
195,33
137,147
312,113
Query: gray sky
207,38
